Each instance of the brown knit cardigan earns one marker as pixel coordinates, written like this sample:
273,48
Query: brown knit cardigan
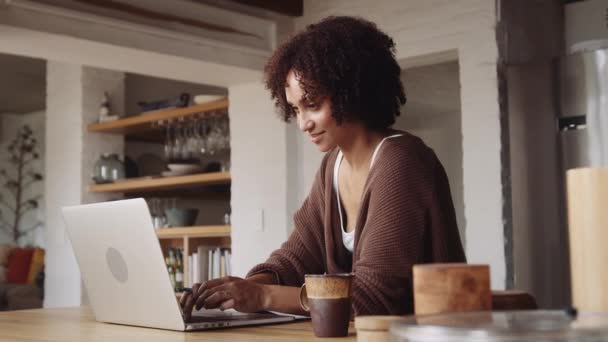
406,217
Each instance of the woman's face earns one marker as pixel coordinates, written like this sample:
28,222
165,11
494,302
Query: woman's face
313,115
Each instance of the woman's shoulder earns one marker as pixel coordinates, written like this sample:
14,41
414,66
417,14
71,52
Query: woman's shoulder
406,148
404,164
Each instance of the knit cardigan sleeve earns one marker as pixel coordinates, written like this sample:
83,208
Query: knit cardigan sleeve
409,221
303,252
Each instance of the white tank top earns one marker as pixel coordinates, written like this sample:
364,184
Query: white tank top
348,238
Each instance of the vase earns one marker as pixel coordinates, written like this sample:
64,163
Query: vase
108,169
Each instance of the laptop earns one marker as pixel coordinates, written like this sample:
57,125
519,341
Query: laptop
124,272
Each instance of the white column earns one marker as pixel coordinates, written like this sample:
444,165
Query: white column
73,96
259,176
483,196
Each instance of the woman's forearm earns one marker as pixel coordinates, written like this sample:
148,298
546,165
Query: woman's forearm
265,278
279,298
283,299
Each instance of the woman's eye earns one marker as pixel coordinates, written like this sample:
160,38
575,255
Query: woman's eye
312,105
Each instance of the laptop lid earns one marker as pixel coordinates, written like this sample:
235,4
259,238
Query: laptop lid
121,264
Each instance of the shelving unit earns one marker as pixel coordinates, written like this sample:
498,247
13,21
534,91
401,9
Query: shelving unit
145,127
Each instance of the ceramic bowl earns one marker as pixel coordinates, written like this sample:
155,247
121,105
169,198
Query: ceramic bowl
181,217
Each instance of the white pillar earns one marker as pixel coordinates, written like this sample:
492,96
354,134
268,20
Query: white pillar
74,93
481,145
259,177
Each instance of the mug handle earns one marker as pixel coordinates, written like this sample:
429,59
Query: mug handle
304,298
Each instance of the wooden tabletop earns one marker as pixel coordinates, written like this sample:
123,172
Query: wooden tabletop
78,324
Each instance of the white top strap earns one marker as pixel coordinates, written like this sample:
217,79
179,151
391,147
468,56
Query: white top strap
348,238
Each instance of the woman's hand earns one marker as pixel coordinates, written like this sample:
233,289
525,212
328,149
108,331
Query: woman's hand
225,293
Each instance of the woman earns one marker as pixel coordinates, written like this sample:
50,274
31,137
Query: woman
380,202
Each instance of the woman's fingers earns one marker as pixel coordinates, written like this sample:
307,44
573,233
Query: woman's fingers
229,304
183,304
184,298
201,301
210,284
216,299
207,289
187,308
190,298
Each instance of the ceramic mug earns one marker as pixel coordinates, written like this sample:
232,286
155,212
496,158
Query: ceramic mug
328,299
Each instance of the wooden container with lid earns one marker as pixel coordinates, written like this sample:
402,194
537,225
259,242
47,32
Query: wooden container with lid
457,287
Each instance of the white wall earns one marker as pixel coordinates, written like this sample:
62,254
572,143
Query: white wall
426,32
9,125
259,177
73,96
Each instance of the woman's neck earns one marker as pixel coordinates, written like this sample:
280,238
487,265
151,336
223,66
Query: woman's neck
360,145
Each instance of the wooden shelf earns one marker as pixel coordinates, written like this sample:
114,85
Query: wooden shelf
219,192
193,232
163,183
144,122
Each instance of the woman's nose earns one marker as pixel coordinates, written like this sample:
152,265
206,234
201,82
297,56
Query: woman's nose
305,125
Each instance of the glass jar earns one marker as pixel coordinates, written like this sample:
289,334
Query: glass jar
227,216
503,326
108,169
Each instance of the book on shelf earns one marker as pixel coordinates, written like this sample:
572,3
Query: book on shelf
192,265
203,263
222,264
228,264
194,276
209,262
216,264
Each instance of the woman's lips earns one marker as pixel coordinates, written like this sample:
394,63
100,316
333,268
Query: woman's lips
316,138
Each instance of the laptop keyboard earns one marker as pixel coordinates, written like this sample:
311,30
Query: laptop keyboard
227,315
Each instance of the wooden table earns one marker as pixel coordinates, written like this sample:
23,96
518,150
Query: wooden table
78,324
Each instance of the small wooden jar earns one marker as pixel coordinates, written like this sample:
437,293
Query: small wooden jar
440,288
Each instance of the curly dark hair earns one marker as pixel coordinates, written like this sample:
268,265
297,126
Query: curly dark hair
347,59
